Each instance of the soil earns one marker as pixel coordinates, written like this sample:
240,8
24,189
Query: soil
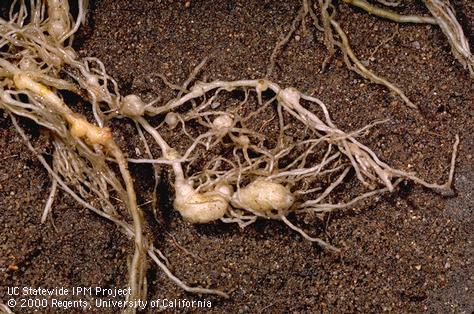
409,251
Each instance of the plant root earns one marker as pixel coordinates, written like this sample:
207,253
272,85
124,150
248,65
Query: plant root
446,19
293,163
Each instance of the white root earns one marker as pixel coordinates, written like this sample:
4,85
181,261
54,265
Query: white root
132,106
172,120
223,123
266,197
280,178
199,207
5,309
263,197
178,282
446,19
49,202
384,13
59,23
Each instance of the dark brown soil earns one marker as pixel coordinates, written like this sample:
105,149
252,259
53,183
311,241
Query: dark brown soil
410,251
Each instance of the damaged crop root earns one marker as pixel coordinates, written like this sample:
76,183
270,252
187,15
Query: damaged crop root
335,36
257,174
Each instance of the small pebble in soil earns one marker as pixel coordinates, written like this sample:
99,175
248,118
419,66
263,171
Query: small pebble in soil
416,45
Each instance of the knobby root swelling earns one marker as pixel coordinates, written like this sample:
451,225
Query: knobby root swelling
248,173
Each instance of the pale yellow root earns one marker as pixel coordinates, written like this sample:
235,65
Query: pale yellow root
94,135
